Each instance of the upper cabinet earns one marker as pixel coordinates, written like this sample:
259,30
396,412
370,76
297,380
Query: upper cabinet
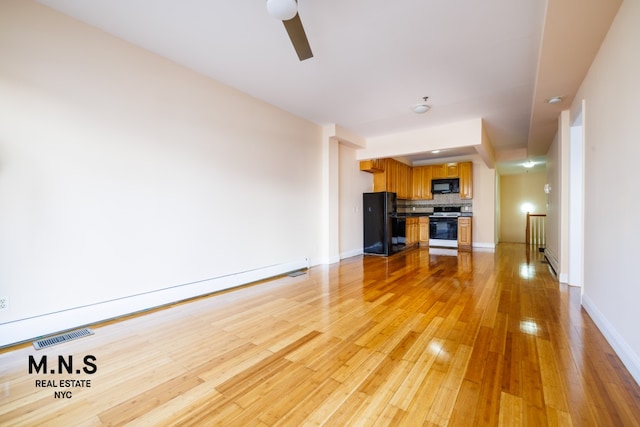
373,166
394,176
405,180
448,170
415,182
466,180
421,186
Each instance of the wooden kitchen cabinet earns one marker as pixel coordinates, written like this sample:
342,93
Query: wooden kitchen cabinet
464,233
372,166
421,185
437,171
384,180
465,171
447,170
395,177
404,179
451,170
391,170
426,182
412,231
423,227
414,183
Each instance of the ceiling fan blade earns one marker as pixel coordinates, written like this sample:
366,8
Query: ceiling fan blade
298,37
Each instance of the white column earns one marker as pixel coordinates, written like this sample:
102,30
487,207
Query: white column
330,197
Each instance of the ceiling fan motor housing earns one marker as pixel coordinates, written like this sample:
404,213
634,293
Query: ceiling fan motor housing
282,9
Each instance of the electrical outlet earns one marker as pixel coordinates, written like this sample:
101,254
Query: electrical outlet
4,303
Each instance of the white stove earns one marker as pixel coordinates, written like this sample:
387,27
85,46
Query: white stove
443,226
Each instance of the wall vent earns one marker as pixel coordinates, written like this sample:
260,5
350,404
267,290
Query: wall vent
297,273
58,339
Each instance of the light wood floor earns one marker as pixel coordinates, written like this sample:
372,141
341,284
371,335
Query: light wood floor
415,339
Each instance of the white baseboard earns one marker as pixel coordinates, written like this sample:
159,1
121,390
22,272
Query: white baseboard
31,328
328,260
481,246
349,254
629,358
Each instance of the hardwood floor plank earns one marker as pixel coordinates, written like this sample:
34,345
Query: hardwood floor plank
420,406
488,410
282,402
247,379
511,410
532,389
551,383
410,386
319,406
415,339
150,399
466,404
442,408
477,363
179,409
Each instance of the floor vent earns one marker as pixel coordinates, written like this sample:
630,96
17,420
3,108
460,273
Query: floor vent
58,339
297,273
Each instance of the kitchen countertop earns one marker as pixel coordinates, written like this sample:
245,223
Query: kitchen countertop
419,214
411,214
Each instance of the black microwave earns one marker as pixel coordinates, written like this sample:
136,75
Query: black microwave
445,186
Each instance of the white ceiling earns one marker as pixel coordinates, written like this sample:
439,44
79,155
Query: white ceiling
374,59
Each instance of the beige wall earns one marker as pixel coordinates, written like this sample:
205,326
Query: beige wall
611,91
515,191
353,183
558,199
454,135
122,173
484,199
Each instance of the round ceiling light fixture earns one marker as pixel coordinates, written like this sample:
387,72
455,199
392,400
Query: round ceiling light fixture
554,100
422,107
282,9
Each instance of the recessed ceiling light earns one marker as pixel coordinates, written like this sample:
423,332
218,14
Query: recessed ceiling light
554,100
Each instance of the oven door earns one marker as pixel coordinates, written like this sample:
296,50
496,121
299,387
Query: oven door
443,231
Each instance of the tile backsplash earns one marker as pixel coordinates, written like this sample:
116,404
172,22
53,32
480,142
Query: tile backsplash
426,206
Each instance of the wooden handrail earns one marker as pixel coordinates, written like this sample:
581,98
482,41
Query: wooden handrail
540,232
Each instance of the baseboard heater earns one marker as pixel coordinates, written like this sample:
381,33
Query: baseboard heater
552,260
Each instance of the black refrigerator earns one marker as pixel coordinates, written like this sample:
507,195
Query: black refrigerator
383,231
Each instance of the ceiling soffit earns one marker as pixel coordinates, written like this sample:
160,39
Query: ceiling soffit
573,32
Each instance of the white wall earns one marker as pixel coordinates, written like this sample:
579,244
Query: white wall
122,173
353,182
611,91
454,135
484,200
576,204
557,241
